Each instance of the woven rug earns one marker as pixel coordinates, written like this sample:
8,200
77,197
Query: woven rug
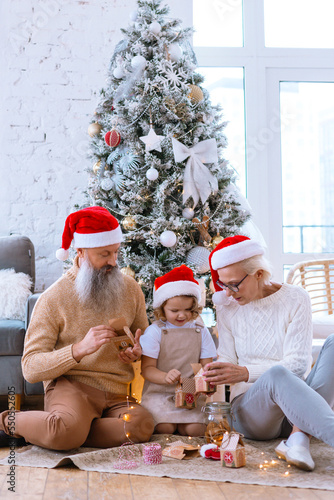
262,465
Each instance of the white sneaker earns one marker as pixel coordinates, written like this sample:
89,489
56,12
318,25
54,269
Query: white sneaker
296,455
300,457
281,450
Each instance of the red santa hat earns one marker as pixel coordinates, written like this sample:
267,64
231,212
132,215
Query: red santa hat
90,227
230,251
178,281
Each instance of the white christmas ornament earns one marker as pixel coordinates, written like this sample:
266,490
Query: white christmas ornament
188,213
155,28
168,239
133,15
118,72
107,184
152,174
152,141
199,258
138,62
175,52
198,181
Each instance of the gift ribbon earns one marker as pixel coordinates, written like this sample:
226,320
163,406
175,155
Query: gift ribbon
198,181
152,454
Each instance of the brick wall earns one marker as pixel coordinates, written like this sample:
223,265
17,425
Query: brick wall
54,59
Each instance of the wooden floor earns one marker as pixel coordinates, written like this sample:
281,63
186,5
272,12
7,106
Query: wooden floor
71,483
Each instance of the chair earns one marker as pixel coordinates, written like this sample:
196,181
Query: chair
16,252
317,277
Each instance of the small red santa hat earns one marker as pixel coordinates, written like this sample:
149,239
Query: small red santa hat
90,227
230,251
178,281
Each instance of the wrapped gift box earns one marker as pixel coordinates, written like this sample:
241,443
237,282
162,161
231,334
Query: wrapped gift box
200,383
232,451
124,337
185,396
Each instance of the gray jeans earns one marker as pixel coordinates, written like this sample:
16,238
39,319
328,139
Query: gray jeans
279,398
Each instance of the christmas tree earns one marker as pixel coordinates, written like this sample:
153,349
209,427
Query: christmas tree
157,147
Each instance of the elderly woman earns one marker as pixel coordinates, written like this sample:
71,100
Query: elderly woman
265,341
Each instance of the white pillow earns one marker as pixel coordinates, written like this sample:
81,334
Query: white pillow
14,292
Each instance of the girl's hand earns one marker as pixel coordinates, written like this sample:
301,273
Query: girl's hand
172,376
217,373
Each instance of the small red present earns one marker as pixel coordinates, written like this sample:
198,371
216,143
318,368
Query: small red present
185,396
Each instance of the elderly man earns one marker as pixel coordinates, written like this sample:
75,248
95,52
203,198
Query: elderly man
70,346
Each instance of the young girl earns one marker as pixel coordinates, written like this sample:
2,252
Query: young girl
177,339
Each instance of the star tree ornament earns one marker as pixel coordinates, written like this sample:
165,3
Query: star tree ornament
152,141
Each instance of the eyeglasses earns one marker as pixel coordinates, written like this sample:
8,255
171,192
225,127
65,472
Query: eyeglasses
233,288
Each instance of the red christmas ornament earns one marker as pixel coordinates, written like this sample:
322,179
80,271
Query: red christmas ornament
112,138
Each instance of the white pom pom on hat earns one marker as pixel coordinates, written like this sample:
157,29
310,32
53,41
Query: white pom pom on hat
90,227
62,254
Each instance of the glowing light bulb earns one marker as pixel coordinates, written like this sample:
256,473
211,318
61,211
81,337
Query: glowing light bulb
126,417
286,473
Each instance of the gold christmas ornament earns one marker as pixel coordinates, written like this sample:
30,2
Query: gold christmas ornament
128,271
196,95
128,223
216,240
96,167
94,129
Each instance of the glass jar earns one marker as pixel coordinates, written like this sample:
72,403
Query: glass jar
218,419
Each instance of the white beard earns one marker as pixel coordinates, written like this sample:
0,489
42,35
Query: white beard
99,289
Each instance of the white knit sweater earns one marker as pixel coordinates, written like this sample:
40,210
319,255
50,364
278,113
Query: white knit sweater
275,330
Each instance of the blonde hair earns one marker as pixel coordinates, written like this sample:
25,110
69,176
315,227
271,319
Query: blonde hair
257,263
196,309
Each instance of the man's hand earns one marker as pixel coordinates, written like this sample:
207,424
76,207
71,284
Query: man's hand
131,354
172,376
93,340
217,373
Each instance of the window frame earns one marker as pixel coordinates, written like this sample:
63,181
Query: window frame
264,67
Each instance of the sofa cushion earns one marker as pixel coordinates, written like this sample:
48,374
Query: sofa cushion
12,334
14,293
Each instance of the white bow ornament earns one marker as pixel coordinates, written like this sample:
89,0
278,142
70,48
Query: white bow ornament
198,181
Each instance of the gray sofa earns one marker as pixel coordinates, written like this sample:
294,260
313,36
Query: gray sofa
16,252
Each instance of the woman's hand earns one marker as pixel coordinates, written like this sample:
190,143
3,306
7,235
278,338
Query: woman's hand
217,373
172,376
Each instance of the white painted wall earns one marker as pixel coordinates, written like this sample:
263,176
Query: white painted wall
54,60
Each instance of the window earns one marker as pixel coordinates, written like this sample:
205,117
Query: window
299,23
270,64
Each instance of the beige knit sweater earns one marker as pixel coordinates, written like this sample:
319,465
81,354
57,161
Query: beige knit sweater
59,321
